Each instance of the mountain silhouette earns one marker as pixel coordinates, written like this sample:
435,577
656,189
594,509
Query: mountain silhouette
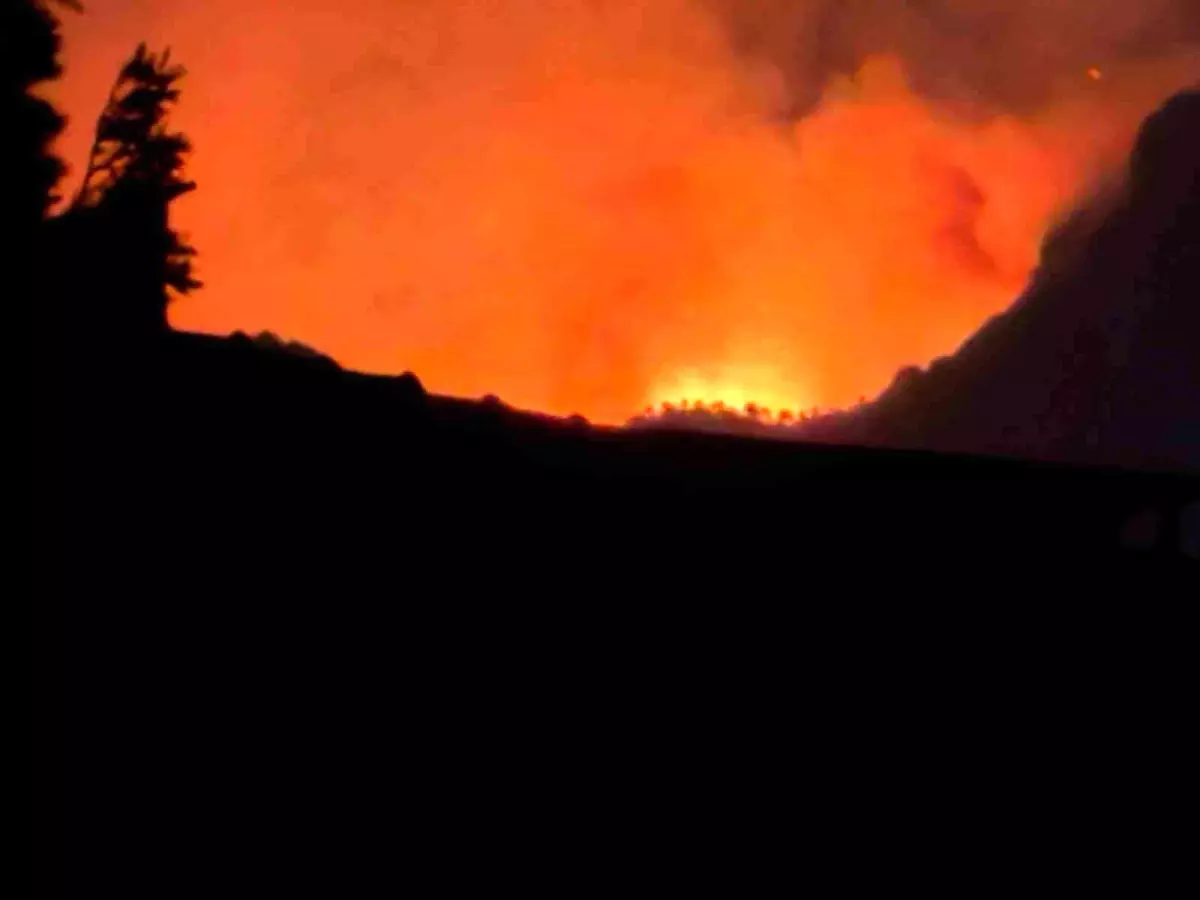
1099,360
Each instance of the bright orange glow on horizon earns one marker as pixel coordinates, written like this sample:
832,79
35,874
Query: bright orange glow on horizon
589,208
733,388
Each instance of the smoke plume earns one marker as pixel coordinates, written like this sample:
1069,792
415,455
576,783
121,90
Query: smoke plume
587,206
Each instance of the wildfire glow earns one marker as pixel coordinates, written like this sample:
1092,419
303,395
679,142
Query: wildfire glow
735,388
591,207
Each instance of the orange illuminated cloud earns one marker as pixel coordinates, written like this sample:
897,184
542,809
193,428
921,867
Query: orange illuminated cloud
589,208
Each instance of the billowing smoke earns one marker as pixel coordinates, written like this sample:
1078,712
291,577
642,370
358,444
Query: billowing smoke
588,206
1013,55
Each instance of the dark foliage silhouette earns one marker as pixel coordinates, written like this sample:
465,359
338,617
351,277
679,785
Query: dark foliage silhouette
118,226
29,57
29,47
29,174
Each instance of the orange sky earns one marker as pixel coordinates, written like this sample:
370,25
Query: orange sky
589,207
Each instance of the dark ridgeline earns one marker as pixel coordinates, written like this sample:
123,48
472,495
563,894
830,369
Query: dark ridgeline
1099,361
323,628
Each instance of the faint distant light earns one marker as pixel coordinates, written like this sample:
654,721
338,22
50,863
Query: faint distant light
1095,74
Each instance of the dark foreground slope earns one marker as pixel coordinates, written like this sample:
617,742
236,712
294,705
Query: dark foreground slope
237,456
326,632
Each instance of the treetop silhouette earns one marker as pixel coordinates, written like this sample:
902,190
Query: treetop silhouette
134,172
133,145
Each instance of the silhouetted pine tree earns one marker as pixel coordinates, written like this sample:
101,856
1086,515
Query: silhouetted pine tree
134,173
29,47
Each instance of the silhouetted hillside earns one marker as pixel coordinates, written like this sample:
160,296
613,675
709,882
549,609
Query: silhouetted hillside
305,605
323,631
1099,361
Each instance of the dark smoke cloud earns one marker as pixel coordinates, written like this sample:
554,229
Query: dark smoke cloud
1013,54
